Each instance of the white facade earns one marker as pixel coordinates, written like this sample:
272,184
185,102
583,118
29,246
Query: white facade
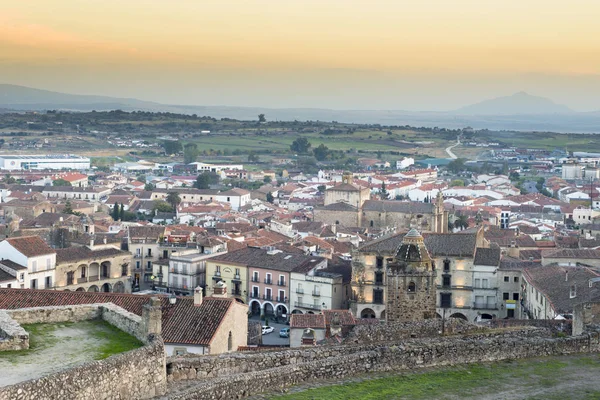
40,269
315,292
40,162
217,167
405,163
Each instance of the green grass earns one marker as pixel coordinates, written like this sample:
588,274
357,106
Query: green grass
471,381
117,340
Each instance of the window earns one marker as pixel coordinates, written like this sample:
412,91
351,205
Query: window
316,291
505,296
268,294
179,351
255,292
48,282
237,273
477,283
506,279
184,283
516,279
281,280
484,283
22,277
255,276
149,265
446,300
446,281
124,270
412,287
516,296
379,262
184,269
83,271
34,266
378,296
281,298
379,278
47,263
268,279
70,278
33,284
137,265
446,265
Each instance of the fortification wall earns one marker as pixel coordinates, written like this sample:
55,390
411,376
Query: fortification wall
12,335
412,354
137,374
191,367
55,314
124,320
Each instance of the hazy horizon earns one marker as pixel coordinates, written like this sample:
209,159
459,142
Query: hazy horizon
384,55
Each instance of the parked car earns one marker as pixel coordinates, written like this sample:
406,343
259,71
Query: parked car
267,329
284,332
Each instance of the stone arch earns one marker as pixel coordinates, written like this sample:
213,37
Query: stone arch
459,315
254,307
66,290
487,316
83,271
437,315
281,309
382,315
105,269
119,287
80,289
367,313
269,309
106,288
93,288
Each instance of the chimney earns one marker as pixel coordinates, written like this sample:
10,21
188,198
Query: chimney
220,290
198,296
151,318
91,243
566,276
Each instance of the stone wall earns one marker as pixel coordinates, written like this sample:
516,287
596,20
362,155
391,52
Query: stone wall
55,314
190,367
137,374
408,355
124,320
12,335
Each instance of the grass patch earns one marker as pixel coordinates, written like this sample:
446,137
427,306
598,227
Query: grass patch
472,381
117,341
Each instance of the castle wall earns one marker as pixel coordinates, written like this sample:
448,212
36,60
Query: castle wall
12,335
402,305
330,363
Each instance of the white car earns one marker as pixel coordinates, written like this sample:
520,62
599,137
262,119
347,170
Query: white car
267,329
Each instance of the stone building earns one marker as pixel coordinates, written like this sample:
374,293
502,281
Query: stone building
411,293
347,192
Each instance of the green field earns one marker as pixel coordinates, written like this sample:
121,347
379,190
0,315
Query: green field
572,377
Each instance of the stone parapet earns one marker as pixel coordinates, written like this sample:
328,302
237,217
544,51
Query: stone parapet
12,335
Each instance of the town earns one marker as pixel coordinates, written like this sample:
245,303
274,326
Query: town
196,255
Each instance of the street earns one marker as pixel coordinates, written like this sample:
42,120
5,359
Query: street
273,337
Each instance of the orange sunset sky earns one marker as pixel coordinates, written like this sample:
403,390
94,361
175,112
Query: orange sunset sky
377,54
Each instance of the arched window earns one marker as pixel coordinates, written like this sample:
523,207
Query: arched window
230,342
412,287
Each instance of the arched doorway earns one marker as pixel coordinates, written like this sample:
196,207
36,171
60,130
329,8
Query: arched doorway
93,288
367,313
119,287
269,310
459,315
281,310
105,288
254,307
94,271
105,269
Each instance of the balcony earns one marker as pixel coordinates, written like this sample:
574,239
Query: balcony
268,281
255,279
317,307
181,287
281,299
82,280
299,291
280,283
93,278
237,277
137,256
316,294
236,292
267,297
455,287
255,295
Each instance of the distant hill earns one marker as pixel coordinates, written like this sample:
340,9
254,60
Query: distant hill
24,98
518,104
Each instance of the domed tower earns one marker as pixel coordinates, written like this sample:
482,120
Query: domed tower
411,292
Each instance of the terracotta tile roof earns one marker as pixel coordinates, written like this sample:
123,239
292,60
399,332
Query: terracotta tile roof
314,321
84,253
345,316
30,246
182,323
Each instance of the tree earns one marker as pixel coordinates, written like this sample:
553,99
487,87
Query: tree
148,187
456,166
461,222
141,178
122,213
321,188
270,198
457,182
60,182
172,147
115,212
321,152
383,192
161,206
173,199
68,208
253,157
300,145
267,179
261,118
190,153
9,179
205,179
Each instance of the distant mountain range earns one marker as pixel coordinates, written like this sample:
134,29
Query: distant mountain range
519,112
518,104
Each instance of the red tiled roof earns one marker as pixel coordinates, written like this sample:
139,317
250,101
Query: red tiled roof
315,321
30,246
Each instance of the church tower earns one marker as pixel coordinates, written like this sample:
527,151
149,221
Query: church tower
440,215
411,290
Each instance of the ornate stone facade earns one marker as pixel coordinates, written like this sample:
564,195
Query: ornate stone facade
411,290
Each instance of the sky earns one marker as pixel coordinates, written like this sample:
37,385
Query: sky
428,55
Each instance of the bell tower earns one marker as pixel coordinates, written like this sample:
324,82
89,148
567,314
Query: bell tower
411,291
